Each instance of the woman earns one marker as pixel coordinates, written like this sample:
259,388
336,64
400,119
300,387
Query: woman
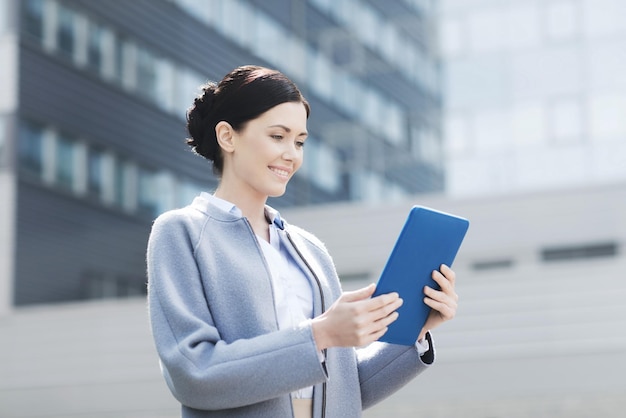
247,312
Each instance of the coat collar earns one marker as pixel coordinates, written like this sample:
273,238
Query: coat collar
224,210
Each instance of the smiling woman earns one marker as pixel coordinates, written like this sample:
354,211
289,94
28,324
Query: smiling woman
264,154
247,311
243,94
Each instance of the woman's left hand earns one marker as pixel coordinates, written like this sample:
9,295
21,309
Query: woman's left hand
443,302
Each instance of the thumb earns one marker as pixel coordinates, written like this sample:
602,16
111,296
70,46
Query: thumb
359,294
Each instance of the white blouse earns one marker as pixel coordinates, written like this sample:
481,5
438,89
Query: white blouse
293,297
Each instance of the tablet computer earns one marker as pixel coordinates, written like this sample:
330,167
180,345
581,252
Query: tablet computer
428,239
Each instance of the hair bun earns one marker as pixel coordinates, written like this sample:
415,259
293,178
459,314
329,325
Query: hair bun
199,117
204,102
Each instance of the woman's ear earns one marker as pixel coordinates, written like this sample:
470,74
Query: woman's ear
224,133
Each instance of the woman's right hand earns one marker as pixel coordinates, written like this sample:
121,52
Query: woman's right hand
356,319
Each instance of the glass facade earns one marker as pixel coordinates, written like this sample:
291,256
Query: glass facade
534,94
103,94
64,163
95,172
109,179
340,79
31,148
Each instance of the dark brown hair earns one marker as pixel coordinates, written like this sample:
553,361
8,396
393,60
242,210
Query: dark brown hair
242,95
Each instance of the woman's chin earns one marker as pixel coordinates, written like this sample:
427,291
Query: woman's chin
278,192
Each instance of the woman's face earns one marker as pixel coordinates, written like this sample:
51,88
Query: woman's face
267,151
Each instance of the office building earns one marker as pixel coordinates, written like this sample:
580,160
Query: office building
535,93
92,120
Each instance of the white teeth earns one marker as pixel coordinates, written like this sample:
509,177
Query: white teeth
280,172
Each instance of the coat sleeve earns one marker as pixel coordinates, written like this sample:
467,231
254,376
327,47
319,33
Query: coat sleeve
385,368
201,370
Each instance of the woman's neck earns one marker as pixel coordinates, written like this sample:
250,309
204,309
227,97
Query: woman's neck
253,208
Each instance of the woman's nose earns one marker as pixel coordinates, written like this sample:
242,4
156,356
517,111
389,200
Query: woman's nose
290,152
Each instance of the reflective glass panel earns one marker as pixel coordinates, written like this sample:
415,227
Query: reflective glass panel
65,170
95,36
66,31
31,147
33,11
95,178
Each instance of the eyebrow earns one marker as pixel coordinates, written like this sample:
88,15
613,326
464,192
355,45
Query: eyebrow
288,130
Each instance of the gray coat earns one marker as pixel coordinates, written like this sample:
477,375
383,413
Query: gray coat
216,333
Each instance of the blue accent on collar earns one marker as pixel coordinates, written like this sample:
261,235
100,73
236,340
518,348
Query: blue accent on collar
279,222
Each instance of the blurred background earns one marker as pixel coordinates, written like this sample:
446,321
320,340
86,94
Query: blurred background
511,113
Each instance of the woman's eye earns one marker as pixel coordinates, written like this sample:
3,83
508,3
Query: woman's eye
277,137
299,144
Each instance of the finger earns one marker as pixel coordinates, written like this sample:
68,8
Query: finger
435,294
375,336
359,294
445,286
447,310
444,283
448,273
387,320
380,301
385,310
382,324
441,297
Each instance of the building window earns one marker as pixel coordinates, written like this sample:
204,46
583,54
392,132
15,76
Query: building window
321,165
33,12
561,20
123,185
426,145
146,74
188,87
117,58
569,253
186,191
97,285
528,123
394,124
95,172
95,47
65,162
491,134
487,30
452,36
271,38
320,75
523,26
566,121
370,109
31,147
456,135
165,87
367,186
147,199
66,31
495,264
607,117
324,5
233,23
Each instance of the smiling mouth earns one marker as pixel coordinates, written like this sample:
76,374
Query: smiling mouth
280,172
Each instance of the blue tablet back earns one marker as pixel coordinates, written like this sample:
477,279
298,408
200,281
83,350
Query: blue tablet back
428,239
